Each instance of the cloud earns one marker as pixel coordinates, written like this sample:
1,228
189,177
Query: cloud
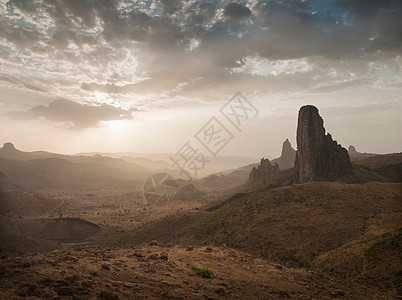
70,112
139,47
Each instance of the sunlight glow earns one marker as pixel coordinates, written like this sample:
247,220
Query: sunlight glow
115,125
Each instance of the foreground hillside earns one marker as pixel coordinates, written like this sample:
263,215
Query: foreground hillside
154,272
287,224
292,225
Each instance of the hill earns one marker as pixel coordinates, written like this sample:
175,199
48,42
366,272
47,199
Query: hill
35,235
285,224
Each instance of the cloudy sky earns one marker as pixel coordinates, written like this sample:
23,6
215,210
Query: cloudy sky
145,76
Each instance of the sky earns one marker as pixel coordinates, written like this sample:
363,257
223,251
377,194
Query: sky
147,76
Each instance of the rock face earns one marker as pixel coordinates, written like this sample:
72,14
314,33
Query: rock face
264,169
352,149
318,157
287,158
8,146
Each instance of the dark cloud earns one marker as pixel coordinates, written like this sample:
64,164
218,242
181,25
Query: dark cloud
178,42
170,6
236,11
80,115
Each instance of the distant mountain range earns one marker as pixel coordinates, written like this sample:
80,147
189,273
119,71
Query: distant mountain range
41,170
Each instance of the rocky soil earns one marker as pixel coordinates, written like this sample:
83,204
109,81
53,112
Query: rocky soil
156,272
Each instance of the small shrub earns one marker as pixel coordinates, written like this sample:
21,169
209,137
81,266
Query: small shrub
203,271
308,264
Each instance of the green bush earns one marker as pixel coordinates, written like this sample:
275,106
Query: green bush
308,264
203,271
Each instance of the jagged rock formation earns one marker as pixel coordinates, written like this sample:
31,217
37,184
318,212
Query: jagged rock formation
358,156
287,158
264,169
8,146
352,149
318,157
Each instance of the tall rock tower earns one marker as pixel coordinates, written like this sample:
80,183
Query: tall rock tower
318,157
287,158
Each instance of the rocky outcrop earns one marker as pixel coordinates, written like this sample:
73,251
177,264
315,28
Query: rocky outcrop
318,156
352,149
356,156
264,169
287,158
8,146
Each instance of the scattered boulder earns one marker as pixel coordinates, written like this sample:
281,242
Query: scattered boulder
318,156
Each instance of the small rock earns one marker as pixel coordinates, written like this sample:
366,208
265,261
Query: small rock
23,292
108,295
105,266
153,243
138,254
61,282
189,248
70,258
153,256
164,256
46,281
151,268
26,264
73,278
86,284
26,289
220,291
208,249
64,291
337,293
284,294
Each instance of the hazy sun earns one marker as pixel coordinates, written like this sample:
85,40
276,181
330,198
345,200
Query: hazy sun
115,125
